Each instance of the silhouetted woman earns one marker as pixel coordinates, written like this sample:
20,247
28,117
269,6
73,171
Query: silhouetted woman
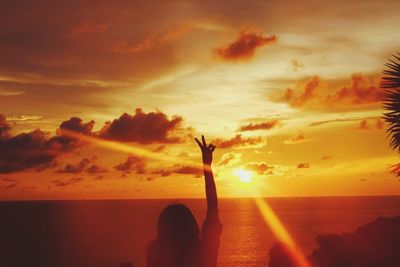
179,242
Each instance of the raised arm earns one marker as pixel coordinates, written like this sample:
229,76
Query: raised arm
211,191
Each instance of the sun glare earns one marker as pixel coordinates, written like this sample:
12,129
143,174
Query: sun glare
243,175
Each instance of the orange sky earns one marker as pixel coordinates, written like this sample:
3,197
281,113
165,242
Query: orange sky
288,91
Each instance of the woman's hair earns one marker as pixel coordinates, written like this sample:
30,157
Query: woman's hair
177,224
178,235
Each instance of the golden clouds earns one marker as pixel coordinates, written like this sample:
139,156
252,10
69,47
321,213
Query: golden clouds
267,125
238,141
244,47
359,93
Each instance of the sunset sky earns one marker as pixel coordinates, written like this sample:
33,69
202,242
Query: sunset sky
288,91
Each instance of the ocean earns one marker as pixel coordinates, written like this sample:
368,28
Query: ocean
104,233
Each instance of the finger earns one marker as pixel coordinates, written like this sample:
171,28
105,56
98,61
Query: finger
198,143
204,140
213,148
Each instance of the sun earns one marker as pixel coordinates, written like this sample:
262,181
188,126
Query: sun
244,175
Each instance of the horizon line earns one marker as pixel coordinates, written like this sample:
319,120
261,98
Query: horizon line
197,198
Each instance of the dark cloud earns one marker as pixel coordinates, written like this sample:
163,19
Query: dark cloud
303,165
358,94
244,46
237,141
179,169
132,164
35,149
68,182
85,165
75,124
260,167
189,170
144,128
75,168
267,125
96,169
38,149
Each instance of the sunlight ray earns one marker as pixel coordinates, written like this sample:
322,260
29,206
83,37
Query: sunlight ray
117,146
281,233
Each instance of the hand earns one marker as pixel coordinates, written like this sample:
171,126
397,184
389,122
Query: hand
206,151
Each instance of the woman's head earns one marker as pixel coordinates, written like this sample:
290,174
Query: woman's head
177,225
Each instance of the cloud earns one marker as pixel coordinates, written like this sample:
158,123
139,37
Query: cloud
267,125
260,167
244,46
349,119
379,124
96,169
85,165
11,183
308,93
69,182
364,125
75,168
360,93
144,128
326,157
303,165
178,169
36,149
296,139
75,124
153,40
229,159
132,164
238,141
190,170
24,117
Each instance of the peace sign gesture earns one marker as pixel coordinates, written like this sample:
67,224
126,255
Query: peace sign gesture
206,150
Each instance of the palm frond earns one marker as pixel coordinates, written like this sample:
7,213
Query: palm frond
391,103
391,77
